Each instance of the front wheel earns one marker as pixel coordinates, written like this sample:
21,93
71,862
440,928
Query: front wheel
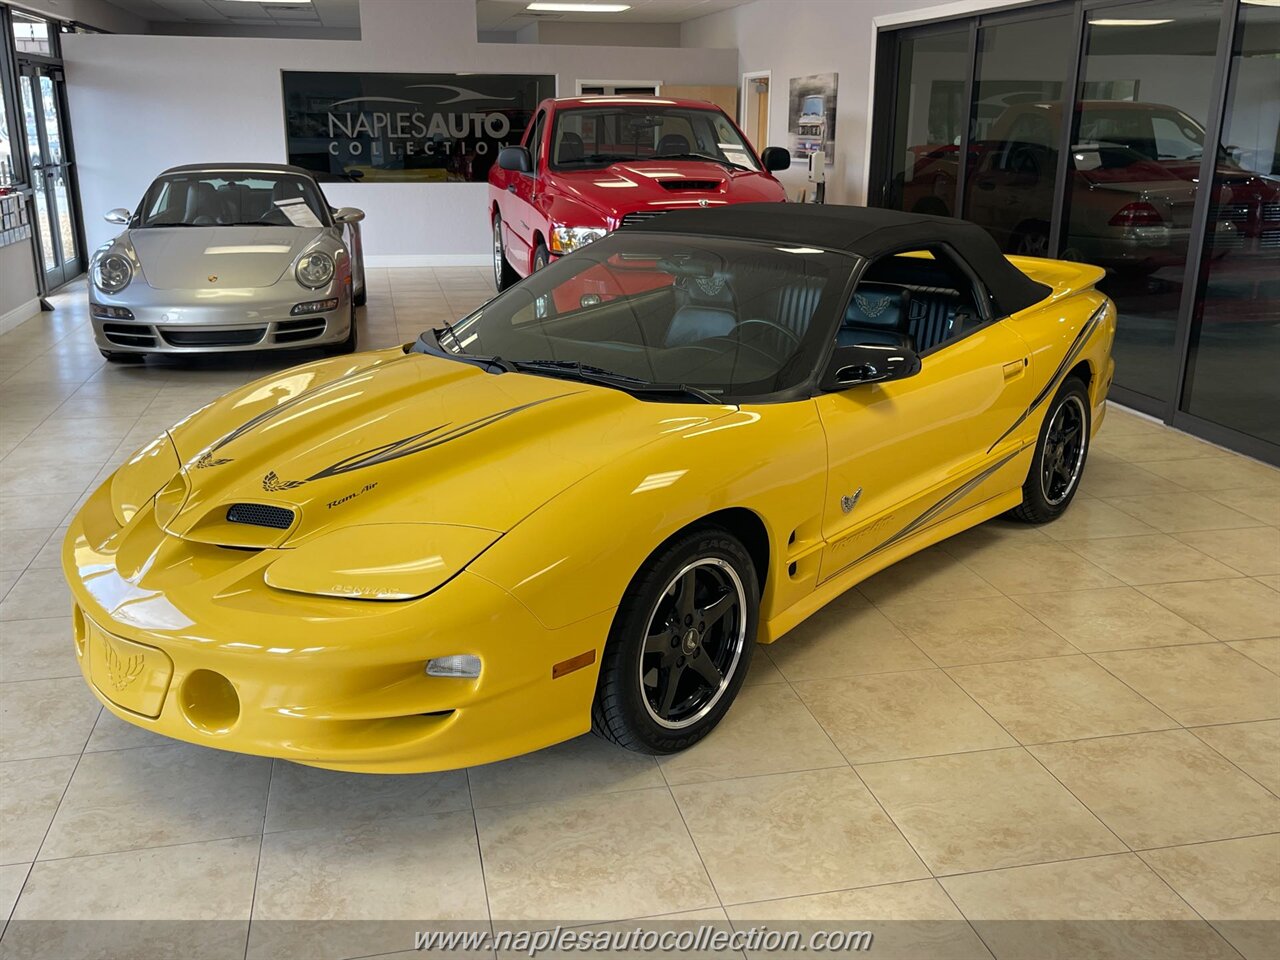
352,339
680,644
503,275
1059,459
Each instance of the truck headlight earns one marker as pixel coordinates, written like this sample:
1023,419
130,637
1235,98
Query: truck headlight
568,239
314,269
112,273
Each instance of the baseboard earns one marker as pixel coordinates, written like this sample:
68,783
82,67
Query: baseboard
429,260
19,314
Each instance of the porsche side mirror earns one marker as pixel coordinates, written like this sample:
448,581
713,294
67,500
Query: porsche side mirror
348,215
776,158
118,215
516,159
854,364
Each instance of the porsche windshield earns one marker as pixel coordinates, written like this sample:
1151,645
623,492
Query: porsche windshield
646,312
212,198
584,137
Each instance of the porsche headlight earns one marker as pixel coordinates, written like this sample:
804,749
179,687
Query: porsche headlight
568,239
112,273
314,269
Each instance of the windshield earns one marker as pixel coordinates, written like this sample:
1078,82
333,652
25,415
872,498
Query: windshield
223,199
733,319
1153,134
599,135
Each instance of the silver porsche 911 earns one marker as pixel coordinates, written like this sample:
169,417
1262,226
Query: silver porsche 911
223,257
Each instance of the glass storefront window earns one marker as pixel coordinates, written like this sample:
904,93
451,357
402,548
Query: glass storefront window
8,174
1232,371
1135,154
31,34
1014,129
929,120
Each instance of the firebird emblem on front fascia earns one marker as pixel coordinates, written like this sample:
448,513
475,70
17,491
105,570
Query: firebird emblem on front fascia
848,503
122,671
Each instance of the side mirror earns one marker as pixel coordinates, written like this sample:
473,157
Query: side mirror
118,215
348,215
857,363
776,158
515,158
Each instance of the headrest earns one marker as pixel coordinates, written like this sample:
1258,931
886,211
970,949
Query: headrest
673,143
695,322
877,305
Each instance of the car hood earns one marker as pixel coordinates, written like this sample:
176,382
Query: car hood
391,437
623,188
184,258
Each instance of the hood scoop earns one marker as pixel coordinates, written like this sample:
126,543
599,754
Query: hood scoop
679,186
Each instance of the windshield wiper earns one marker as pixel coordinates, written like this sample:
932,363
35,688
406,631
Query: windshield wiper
485,363
700,156
576,370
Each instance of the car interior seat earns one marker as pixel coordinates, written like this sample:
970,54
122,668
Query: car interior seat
705,308
203,204
877,313
672,143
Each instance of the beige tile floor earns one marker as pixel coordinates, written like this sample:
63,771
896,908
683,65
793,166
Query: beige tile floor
976,750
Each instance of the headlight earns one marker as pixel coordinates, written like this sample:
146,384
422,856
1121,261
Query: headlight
569,239
146,472
112,273
314,269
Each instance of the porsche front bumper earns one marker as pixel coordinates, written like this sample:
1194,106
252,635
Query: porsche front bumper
225,661
178,322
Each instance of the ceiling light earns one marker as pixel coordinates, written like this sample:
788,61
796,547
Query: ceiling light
294,3
578,7
1126,23
1262,3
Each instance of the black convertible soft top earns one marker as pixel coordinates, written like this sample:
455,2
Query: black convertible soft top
866,231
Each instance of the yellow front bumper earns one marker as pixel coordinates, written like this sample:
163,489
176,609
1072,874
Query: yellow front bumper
187,640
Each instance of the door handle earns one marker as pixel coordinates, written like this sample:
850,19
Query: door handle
1013,369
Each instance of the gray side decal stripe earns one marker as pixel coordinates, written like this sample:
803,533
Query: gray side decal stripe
1077,347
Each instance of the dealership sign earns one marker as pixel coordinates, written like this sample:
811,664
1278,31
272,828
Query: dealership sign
379,127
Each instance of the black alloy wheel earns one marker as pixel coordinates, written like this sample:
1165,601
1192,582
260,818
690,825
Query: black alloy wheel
680,645
1060,455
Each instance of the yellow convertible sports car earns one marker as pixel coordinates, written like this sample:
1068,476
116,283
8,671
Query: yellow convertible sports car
579,506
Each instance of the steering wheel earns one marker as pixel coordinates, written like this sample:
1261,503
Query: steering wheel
786,331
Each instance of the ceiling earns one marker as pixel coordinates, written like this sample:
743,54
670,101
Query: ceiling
318,14
511,14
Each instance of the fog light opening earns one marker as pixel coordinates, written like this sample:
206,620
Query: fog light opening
314,306
209,702
79,631
459,666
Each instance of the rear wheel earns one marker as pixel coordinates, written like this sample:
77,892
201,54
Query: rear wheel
680,644
503,275
1060,455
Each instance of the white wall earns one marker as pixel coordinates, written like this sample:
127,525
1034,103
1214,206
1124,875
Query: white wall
140,104
819,36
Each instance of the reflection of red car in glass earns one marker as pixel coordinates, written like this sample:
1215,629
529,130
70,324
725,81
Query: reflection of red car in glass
1131,192
588,165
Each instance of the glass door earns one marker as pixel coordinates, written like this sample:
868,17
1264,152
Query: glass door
43,97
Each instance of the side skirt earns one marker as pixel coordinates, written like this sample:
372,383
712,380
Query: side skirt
828,590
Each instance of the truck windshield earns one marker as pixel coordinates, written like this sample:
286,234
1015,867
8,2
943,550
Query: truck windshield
596,136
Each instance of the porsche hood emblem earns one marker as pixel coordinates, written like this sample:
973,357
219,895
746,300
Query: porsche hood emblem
213,278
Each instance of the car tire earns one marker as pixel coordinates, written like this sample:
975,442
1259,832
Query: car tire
540,257
680,644
360,297
503,274
115,356
1059,459
349,345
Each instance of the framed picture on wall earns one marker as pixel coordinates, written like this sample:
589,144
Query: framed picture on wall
811,115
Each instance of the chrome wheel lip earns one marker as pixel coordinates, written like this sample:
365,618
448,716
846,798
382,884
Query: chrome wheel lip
739,643
1079,453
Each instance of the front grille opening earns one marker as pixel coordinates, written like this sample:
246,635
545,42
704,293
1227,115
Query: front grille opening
640,216
260,515
129,335
291,331
212,338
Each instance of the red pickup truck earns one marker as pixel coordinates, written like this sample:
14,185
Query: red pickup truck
588,165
